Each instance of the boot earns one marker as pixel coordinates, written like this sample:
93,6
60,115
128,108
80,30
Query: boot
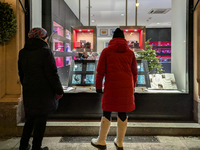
121,131
100,142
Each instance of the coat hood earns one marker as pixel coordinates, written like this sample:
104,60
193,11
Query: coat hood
35,43
119,45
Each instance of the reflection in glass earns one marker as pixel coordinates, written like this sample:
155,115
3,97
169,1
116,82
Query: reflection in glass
78,67
76,79
140,67
89,79
141,79
90,67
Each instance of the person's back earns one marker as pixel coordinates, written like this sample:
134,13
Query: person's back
118,65
41,86
121,68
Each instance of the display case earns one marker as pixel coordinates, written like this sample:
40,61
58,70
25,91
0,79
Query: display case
135,36
143,74
82,73
83,38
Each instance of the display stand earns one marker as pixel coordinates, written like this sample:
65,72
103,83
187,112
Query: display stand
90,87
82,73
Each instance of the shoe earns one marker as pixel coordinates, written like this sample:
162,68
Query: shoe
44,148
121,131
100,142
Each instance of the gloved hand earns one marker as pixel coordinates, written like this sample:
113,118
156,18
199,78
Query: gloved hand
99,91
58,96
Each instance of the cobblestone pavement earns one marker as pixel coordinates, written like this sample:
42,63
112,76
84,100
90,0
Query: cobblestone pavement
130,143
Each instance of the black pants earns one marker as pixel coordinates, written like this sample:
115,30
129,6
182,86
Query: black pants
121,115
37,124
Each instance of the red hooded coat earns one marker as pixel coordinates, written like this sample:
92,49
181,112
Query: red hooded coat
118,65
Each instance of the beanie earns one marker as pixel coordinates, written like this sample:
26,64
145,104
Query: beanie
118,33
37,33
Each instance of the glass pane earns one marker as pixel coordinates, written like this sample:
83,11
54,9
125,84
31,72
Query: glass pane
76,79
89,79
78,67
90,67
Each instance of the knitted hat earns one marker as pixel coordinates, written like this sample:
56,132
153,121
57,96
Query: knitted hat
37,33
118,33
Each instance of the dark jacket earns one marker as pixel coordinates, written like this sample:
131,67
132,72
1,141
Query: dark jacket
39,77
119,66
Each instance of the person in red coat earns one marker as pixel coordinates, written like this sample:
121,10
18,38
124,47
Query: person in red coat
117,63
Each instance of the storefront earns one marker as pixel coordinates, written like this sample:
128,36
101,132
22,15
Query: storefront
167,96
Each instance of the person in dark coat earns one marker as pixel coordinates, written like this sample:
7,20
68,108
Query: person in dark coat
41,87
117,63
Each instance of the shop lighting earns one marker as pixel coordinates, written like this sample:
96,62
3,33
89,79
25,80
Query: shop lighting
88,30
122,14
135,30
137,4
92,20
80,30
126,30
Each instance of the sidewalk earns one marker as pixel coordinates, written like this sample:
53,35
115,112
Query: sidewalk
130,143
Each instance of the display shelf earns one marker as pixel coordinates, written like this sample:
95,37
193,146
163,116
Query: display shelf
59,61
160,43
135,36
58,29
58,45
83,38
68,34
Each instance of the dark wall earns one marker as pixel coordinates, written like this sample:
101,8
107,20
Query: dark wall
158,34
63,15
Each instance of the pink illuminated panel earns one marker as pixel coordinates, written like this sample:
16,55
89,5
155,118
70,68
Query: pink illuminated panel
83,39
58,29
58,45
59,61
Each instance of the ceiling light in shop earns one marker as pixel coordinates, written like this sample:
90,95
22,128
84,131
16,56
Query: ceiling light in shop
92,20
88,30
137,4
122,14
80,30
135,30
126,30
158,23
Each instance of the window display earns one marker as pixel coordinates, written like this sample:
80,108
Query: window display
163,81
82,73
135,36
83,39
